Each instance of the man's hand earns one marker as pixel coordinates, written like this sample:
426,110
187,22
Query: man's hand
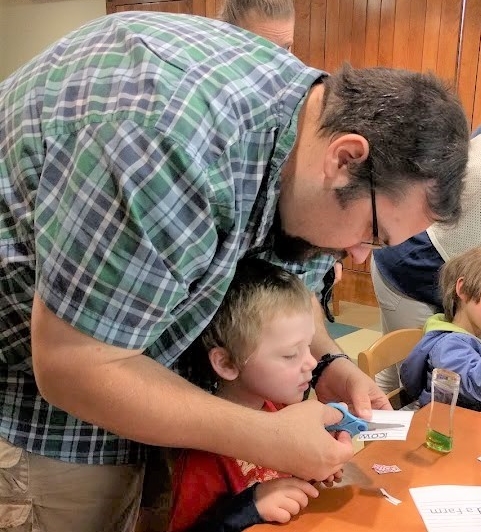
338,271
306,449
279,499
337,477
343,381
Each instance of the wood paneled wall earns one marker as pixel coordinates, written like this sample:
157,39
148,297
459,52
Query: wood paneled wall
442,36
205,8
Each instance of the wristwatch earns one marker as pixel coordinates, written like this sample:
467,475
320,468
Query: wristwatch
324,361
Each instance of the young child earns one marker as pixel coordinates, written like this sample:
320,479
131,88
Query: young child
451,339
257,355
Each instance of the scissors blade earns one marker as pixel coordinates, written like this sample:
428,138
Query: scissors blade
382,426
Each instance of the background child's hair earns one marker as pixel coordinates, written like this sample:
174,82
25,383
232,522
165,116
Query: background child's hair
234,11
258,292
468,266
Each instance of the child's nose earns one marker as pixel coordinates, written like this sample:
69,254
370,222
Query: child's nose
311,362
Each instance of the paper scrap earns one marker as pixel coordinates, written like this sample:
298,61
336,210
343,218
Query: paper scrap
397,417
390,498
449,507
382,469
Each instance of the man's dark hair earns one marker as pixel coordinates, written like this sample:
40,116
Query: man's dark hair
416,129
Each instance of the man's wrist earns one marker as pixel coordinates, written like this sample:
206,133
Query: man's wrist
323,363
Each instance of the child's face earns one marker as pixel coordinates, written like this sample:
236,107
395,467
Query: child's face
280,367
468,312
468,316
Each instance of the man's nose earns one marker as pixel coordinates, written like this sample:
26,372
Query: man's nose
358,253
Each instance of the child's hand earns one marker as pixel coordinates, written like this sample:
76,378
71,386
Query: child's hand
281,498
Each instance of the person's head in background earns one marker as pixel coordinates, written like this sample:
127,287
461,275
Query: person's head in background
258,343
396,138
460,283
272,19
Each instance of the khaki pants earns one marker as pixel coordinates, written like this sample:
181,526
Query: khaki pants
157,491
398,311
39,494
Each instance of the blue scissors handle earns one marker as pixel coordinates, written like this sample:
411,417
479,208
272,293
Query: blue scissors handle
350,423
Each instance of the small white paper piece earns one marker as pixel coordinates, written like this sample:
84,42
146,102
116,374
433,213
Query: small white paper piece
449,507
390,498
396,417
479,458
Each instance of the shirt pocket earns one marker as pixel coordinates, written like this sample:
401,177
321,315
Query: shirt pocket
13,470
15,507
14,514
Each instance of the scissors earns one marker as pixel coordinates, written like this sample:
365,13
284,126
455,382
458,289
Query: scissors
354,425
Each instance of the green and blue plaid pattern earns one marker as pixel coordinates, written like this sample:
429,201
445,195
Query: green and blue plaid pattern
140,158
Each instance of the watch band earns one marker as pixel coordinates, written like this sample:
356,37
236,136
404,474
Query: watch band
324,361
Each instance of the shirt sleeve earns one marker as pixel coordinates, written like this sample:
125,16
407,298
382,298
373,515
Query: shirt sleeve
124,226
461,353
231,514
203,498
413,371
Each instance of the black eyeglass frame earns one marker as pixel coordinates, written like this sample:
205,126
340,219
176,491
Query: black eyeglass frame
376,243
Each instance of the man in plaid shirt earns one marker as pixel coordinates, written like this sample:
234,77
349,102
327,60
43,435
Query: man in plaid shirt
140,158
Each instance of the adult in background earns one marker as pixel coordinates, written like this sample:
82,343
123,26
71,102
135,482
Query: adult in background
406,277
140,158
272,19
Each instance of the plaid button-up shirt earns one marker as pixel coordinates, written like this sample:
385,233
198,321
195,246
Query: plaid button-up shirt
140,158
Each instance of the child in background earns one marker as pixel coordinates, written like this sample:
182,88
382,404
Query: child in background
451,339
257,354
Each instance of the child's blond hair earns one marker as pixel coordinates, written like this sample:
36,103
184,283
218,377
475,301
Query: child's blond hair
258,292
468,266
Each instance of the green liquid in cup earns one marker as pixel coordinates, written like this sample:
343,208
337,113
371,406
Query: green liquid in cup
439,442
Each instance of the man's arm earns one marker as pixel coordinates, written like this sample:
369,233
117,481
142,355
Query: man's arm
342,380
134,396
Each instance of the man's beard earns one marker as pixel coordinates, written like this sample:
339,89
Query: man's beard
295,249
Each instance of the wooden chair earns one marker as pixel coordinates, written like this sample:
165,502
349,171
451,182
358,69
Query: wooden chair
387,351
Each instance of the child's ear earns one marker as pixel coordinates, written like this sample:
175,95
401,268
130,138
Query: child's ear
459,289
223,364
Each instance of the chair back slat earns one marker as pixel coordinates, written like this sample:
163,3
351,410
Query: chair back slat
390,349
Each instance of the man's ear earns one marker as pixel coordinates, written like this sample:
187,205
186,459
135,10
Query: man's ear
343,150
223,363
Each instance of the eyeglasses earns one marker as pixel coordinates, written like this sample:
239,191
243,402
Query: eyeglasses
376,242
